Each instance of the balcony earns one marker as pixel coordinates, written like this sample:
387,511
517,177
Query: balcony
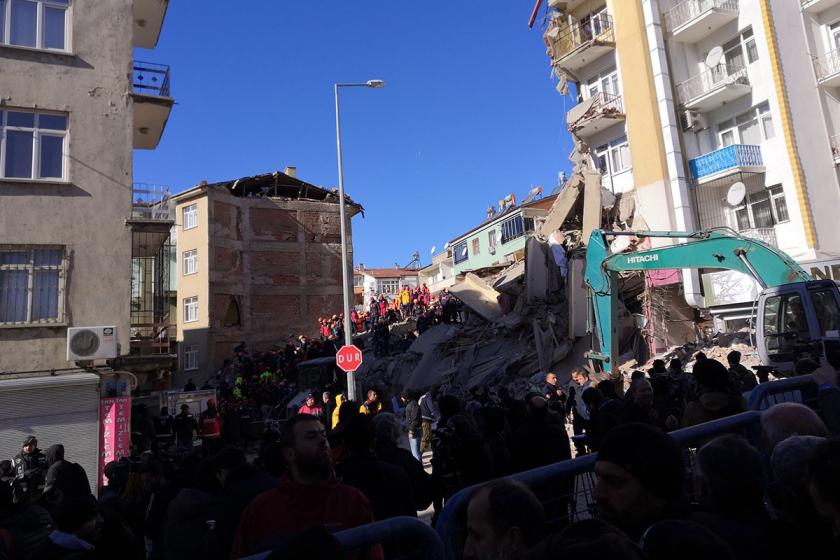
738,158
150,202
692,20
572,46
817,6
767,235
714,87
827,68
148,19
152,103
595,114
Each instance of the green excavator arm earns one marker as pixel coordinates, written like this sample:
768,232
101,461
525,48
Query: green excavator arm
722,249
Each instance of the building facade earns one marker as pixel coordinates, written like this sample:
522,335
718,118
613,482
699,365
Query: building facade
74,104
258,261
500,238
440,274
730,114
386,281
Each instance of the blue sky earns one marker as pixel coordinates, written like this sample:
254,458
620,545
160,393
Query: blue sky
469,113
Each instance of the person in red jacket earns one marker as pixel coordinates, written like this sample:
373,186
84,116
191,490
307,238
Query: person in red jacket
210,427
306,497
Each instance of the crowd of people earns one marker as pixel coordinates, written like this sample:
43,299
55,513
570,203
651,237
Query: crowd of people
338,464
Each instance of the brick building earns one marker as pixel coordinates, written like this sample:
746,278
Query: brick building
259,259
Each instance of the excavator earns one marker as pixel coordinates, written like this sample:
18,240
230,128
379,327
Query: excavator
794,316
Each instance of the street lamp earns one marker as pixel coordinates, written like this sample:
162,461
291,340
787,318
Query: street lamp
348,333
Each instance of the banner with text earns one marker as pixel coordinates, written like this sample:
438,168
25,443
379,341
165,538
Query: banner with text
114,432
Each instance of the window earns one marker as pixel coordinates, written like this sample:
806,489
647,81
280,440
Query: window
785,325
762,210
191,357
31,284
388,286
358,281
191,309
741,49
476,246
461,252
512,228
751,127
828,312
39,24
191,216
606,82
491,239
834,35
613,158
190,263
32,145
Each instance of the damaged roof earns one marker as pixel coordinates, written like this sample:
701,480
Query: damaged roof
275,185
506,213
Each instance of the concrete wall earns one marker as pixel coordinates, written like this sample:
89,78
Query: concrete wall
87,213
274,263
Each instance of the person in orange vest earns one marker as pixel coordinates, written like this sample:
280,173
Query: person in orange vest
210,427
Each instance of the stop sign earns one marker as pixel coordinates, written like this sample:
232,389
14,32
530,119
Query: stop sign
349,358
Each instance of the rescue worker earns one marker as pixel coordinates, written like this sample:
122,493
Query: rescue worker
210,427
30,467
371,406
185,428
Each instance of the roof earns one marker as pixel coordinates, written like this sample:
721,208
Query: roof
272,185
389,272
510,211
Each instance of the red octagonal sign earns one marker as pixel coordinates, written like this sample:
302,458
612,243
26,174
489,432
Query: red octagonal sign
349,358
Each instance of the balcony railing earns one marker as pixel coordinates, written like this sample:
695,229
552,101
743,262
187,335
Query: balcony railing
729,158
708,81
565,38
150,79
150,202
767,235
827,65
608,104
686,11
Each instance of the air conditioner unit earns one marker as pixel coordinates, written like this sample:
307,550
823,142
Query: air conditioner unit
492,250
691,120
91,343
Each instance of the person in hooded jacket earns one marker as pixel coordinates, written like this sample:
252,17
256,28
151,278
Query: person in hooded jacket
715,398
30,467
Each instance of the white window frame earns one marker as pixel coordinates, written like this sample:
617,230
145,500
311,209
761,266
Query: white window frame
191,309
31,268
37,134
491,239
190,216
388,286
744,41
833,30
191,357
190,257
774,193
759,113
609,151
595,84
6,30
475,245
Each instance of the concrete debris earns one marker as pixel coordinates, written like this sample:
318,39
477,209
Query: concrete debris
478,296
716,348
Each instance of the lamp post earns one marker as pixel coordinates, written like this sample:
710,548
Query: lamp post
348,333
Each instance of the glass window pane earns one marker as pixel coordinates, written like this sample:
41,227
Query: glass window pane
24,23
48,257
767,125
752,51
743,218
52,122
18,118
52,158
13,295
780,205
18,154
828,312
45,295
2,23
727,138
762,215
750,132
14,257
771,324
54,28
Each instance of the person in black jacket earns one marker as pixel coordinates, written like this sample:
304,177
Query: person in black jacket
30,471
414,424
388,435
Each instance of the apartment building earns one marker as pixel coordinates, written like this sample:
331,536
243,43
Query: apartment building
258,261
74,104
440,273
500,238
385,281
730,113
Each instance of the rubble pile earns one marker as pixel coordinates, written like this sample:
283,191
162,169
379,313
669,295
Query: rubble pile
716,349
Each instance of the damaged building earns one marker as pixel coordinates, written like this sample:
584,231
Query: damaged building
258,259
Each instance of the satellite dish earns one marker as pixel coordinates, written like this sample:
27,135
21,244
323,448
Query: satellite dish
446,245
736,193
433,249
714,57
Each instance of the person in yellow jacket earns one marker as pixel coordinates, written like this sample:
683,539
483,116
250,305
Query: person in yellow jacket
371,405
339,398
405,301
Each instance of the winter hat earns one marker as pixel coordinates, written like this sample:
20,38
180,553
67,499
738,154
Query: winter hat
711,374
650,455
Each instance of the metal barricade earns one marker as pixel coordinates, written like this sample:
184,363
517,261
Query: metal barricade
566,488
403,537
801,389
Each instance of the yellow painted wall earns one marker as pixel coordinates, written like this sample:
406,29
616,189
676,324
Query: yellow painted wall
644,128
194,284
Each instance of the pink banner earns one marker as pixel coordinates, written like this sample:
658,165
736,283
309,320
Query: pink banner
114,432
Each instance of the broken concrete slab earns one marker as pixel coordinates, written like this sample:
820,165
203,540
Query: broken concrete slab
562,207
591,204
478,296
509,281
